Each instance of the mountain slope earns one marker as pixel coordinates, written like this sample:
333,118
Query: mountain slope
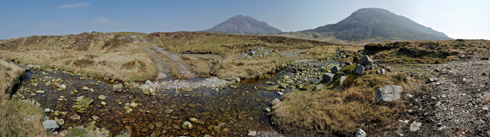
240,24
374,24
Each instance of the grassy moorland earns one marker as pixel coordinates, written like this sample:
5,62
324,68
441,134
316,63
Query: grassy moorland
15,121
339,110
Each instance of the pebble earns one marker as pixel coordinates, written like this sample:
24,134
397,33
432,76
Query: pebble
197,121
102,97
187,125
252,133
40,91
133,104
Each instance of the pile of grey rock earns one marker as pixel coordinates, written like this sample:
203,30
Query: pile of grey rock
257,52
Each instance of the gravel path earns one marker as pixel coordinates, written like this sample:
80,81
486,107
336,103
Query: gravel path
163,67
457,104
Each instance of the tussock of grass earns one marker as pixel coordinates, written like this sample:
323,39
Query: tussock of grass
340,111
17,118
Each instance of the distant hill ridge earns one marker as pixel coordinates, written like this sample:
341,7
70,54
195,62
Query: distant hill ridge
373,24
240,24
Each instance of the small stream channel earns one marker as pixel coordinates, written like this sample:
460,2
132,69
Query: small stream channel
225,112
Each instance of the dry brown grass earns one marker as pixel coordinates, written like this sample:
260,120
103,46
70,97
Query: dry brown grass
340,111
429,52
56,52
229,47
17,118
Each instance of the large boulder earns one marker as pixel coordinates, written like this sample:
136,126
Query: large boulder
359,70
388,93
365,60
51,126
327,77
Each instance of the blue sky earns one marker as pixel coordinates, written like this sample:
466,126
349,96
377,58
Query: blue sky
458,19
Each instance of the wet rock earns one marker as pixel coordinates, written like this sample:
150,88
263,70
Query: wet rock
74,92
133,104
388,93
62,98
102,97
60,121
280,93
82,104
318,87
415,126
275,101
359,70
56,113
269,83
47,83
267,109
51,126
252,133
85,88
327,77
117,87
360,133
95,117
365,60
124,133
75,117
272,88
168,111
197,121
216,128
187,125
159,124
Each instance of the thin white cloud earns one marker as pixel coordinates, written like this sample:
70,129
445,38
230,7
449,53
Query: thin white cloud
104,20
75,5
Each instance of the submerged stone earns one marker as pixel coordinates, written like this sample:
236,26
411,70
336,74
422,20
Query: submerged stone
187,125
197,121
117,87
82,104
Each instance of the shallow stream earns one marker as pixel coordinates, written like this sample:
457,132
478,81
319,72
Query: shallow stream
230,111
